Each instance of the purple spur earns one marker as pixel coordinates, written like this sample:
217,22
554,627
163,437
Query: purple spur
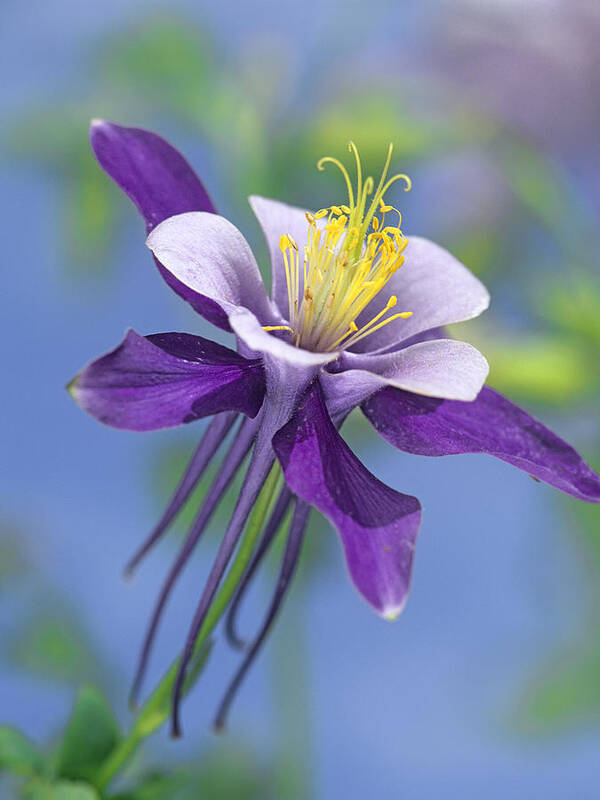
355,318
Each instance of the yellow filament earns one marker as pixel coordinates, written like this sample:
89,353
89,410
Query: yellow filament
353,327
401,315
277,328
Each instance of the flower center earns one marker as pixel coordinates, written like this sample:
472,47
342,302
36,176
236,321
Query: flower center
352,252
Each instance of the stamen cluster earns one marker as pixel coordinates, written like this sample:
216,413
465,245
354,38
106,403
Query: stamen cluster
352,252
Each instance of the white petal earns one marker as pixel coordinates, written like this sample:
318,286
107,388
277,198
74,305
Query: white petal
440,368
275,219
209,255
431,283
249,330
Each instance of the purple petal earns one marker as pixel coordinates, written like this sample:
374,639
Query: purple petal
158,381
161,184
490,424
150,171
208,254
432,284
440,368
377,525
275,219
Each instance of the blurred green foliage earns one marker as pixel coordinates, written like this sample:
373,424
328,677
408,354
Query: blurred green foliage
72,769
48,638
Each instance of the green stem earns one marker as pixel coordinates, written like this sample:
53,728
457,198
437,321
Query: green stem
157,708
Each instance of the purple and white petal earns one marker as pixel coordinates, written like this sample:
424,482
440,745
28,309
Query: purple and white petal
275,344
158,381
441,368
160,182
276,219
431,283
208,254
490,424
377,525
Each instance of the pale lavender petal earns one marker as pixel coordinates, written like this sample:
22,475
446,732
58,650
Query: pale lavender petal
161,183
209,255
432,284
275,219
440,368
166,379
276,344
377,525
490,424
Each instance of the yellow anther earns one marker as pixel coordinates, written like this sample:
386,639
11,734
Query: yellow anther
322,213
375,224
345,209
336,210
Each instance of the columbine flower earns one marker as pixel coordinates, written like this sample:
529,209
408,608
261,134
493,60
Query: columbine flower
355,319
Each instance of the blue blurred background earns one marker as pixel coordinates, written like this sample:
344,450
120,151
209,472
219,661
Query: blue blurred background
490,680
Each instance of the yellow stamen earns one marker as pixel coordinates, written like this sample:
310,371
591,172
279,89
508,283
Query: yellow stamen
402,315
344,265
353,327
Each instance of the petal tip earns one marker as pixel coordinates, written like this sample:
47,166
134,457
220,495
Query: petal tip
391,613
71,387
98,122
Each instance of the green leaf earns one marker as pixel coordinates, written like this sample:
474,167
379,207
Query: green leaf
61,790
92,734
18,754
